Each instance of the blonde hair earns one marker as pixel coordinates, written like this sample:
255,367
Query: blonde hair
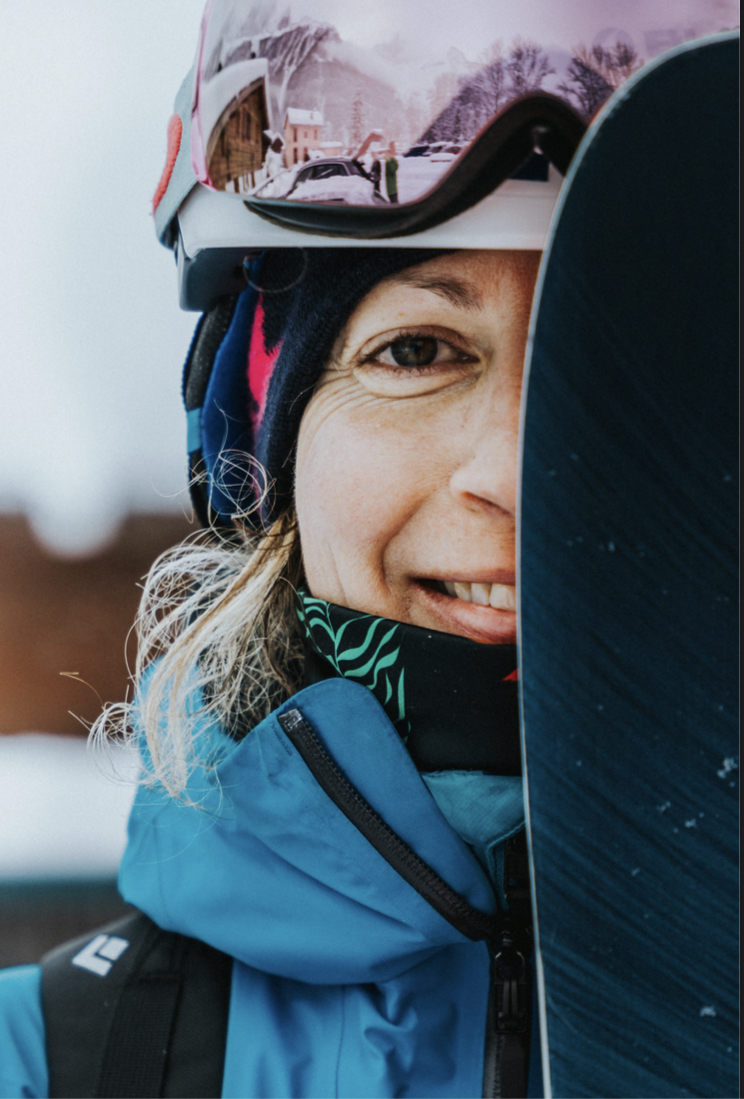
216,622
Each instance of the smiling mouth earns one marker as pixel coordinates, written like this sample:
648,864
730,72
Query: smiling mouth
502,597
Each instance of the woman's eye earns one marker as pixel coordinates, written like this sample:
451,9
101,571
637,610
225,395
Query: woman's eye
413,351
417,351
412,364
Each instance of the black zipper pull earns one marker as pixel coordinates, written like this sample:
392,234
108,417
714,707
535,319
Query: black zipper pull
511,984
509,1023
506,1060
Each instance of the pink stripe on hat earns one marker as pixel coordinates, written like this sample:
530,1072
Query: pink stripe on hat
260,365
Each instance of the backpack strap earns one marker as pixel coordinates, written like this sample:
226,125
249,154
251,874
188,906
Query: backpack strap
134,1011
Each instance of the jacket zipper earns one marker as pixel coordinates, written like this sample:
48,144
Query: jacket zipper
508,1017
470,921
506,1059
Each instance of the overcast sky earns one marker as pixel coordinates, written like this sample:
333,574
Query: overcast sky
91,338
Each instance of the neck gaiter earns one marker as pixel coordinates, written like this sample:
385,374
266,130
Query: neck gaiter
454,701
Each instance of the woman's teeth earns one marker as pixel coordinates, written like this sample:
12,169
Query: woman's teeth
502,597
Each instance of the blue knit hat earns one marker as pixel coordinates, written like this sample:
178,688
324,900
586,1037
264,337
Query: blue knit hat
252,366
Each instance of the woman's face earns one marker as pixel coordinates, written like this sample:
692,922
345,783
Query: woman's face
407,452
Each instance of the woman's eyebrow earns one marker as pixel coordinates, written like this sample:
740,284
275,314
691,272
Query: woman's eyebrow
463,295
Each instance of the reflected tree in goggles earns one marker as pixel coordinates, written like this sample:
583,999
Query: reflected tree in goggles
382,105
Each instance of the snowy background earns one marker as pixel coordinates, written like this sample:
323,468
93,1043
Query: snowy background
91,337
91,348
63,807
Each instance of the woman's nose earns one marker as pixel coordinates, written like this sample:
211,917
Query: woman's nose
486,473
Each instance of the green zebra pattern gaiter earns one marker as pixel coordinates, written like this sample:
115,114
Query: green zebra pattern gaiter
454,701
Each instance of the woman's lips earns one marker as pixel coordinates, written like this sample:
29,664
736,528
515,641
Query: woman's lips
489,615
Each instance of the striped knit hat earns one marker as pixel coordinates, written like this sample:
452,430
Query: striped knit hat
252,366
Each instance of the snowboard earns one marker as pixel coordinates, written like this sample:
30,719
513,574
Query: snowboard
628,588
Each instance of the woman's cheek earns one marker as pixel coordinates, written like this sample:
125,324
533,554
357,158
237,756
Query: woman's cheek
347,489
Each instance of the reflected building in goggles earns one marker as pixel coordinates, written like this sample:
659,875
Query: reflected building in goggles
302,135
238,142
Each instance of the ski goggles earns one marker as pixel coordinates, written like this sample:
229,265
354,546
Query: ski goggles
400,122
383,123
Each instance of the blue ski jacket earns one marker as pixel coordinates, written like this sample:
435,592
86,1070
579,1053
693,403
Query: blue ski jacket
347,982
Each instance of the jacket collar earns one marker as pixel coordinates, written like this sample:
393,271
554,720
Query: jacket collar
265,867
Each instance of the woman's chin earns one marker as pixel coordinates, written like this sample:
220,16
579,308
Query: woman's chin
489,625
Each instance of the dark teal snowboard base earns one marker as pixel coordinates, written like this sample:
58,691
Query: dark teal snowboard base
629,588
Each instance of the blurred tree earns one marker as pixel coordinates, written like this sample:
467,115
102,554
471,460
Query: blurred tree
480,97
615,64
595,73
527,66
358,120
587,88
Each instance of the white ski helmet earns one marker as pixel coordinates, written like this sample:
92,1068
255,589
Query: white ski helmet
400,122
